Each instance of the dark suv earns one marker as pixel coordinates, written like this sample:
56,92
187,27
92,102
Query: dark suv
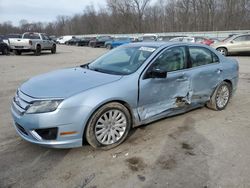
99,41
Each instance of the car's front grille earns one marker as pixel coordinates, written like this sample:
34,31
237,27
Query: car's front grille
21,102
21,129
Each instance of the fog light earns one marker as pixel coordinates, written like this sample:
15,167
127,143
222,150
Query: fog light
47,134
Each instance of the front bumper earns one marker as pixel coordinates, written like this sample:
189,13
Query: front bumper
64,120
71,143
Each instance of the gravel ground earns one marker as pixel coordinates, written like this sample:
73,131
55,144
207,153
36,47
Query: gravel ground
202,148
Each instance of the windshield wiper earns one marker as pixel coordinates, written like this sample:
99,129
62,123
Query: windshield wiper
106,71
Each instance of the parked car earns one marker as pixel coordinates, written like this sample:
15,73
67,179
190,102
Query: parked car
74,41
236,43
134,84
32,42
201,40
6,38
64,39
117,42
4,48
83,41
99,41
149,37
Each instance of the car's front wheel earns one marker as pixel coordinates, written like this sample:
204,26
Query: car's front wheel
109,126
38,50
223,51
53,49
220,97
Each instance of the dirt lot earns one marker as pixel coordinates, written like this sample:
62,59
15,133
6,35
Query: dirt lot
202,148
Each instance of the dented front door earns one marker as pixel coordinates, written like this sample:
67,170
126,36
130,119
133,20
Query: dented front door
164,95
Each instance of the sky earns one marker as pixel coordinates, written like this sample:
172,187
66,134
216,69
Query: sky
42,10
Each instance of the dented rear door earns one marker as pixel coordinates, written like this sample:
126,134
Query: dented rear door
206,71
159,96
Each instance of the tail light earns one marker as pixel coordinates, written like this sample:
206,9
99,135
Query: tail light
30,42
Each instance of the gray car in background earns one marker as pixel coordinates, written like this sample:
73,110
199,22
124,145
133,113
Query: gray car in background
32,42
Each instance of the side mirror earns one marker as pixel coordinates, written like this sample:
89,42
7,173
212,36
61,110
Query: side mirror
232,41
157,73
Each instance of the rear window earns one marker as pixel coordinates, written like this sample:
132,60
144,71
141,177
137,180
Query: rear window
31,36
202,56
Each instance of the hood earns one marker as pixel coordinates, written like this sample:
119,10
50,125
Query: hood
66,82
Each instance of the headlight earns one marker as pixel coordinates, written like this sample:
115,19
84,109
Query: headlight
43,106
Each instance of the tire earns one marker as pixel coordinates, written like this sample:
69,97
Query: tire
18,52
108,46
217,96
100,131
38,50
223,51
5,51
53,49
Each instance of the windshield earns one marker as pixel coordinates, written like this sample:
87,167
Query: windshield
122,61
228,38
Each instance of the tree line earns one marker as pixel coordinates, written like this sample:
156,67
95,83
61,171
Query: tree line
145,16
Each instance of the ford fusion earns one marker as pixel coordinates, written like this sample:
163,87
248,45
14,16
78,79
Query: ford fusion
129,86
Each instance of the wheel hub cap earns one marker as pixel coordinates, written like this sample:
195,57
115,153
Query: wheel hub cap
110,127
222,96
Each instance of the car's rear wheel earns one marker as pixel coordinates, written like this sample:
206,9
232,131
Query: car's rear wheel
53,49
109,126
38,50
223,51
220,97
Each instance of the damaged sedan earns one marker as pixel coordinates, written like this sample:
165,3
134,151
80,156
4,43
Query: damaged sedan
129,86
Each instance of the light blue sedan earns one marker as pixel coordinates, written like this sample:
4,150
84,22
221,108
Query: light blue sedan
129,86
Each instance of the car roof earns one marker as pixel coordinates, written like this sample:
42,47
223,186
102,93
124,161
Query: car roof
161,44
238,35
151,44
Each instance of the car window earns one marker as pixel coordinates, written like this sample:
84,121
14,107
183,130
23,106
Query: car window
202,56
119,57
31,36
122,61
171,60
43,37
248,37
241,38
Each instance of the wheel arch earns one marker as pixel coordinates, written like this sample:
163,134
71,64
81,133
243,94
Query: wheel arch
38,44
122,102
230,83
222,47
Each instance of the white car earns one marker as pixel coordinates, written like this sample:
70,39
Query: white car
64,39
